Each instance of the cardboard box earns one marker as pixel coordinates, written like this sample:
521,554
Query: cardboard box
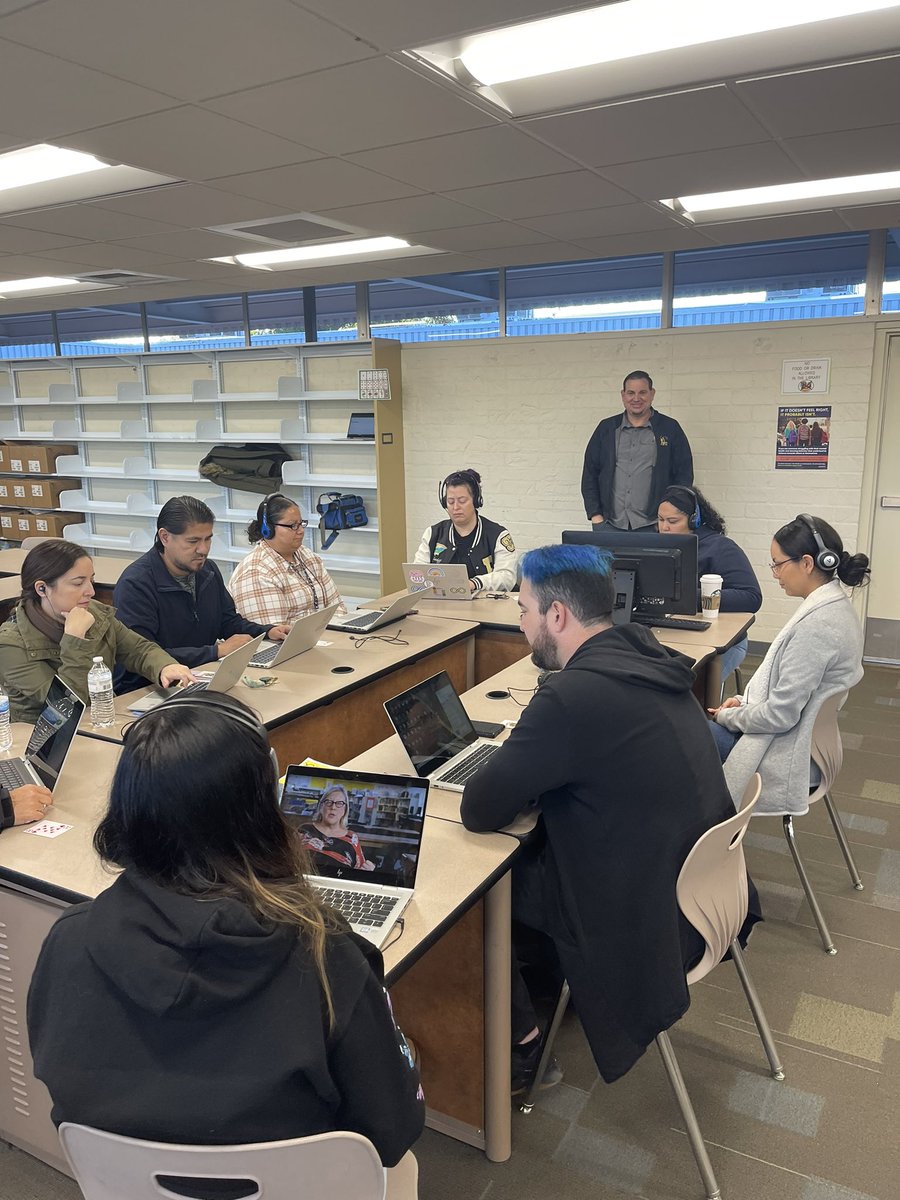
30,492
4,456
9,527
27,459
51,524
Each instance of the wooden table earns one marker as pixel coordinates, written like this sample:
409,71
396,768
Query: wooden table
449,972
499,640
723,632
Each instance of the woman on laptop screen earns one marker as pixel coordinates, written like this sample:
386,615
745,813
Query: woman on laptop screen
466,538
326,831
208,996
280,580
58,628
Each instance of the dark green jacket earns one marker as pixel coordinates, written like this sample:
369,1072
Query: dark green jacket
29,659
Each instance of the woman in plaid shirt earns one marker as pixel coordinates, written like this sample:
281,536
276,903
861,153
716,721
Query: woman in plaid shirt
279,579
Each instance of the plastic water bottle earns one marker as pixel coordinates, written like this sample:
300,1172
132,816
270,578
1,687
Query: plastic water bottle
100,690
5,731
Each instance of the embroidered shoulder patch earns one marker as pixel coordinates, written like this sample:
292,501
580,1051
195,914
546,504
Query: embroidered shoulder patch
508,544
664,441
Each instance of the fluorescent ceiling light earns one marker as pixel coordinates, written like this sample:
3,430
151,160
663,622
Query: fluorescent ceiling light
805,196
38,284
41,163
266,259
592,56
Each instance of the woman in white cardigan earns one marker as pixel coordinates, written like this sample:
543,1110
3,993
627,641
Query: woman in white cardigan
817,654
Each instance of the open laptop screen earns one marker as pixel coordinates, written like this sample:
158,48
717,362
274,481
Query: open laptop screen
431,723
358,825
53,732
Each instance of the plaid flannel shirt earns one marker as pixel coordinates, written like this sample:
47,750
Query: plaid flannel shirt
268,589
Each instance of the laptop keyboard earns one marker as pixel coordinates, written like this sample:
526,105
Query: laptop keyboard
263,658
360,908
463,771
12,775
361,622
190,688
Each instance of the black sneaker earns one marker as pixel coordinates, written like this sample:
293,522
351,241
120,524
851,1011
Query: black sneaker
525,1061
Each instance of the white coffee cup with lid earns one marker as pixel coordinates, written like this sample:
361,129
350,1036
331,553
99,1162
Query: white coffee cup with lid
711,595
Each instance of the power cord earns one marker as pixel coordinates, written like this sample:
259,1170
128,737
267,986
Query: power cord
392,940
391,639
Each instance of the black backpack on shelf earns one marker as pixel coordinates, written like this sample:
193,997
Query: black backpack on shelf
255,467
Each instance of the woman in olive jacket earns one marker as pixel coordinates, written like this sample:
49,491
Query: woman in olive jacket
58,628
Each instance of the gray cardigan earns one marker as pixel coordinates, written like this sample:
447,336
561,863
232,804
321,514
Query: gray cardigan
817,654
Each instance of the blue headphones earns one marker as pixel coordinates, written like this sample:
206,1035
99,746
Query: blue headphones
262,515
694,520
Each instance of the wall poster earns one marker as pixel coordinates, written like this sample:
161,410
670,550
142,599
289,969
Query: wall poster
802,437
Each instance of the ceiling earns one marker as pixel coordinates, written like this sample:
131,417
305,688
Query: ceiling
282,107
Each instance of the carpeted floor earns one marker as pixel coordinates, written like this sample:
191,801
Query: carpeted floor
828,1132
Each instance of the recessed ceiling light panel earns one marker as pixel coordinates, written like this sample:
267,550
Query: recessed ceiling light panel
808,195
296,257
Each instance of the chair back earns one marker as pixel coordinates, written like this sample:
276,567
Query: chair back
327,1166
29,543
712,885
827,749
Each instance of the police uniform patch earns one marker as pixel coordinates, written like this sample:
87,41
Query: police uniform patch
508,544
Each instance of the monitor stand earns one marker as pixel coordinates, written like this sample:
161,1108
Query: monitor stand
623,592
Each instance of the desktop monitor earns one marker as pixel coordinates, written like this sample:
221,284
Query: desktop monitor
659,568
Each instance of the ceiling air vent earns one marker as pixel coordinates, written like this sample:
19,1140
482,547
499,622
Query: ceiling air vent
295,229
124,278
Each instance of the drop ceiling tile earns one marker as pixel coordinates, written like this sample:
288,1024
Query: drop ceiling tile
192,205
872,216
710,171
480,237
656,241
315,186
397,24
681,123
457,160
23,266
850,152
191,243
821,101
373,103
526,256
42,98
96,256
14,240
541,196
410,215
191,142
87,222
764,229
601,222
206,47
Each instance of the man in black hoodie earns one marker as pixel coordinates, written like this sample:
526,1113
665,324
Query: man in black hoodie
616,750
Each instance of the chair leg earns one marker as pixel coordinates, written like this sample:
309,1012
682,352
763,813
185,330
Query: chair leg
695,1137
827,942
738,681
841,836
559,1012
762,1025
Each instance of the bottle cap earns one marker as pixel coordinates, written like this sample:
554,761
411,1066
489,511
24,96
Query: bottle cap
98,659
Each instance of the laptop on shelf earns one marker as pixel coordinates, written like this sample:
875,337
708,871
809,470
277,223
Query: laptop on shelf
384,827
305,632
450,582
50,741
362,425
437,734
227,674
374,618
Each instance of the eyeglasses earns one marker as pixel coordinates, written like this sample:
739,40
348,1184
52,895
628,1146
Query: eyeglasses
775,567
294,525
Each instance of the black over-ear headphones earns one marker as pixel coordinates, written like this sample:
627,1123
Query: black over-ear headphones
826,560
462,479
694,520
266,529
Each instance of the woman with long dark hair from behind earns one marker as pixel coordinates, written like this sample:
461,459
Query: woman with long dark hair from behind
817,654
208,996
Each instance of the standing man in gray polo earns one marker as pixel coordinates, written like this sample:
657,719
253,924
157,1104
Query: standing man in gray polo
630,460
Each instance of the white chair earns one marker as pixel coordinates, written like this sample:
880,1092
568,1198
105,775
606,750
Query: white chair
827,752
712,892
29,543
327,1166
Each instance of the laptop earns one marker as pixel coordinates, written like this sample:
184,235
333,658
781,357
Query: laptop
228,672
367,870
374,618
450,582
50,741
437,734
305,632
362,425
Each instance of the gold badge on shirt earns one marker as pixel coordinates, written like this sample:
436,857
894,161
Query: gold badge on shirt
508,544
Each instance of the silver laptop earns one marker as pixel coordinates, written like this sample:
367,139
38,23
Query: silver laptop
374,618
364,833
50,741
450,582
305,632
228,672
437,734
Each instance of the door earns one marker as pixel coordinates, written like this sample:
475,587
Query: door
883,614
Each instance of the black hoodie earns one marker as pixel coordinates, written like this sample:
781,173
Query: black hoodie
155,1015
617,750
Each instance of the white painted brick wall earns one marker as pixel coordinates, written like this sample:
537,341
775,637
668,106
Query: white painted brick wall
521,411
